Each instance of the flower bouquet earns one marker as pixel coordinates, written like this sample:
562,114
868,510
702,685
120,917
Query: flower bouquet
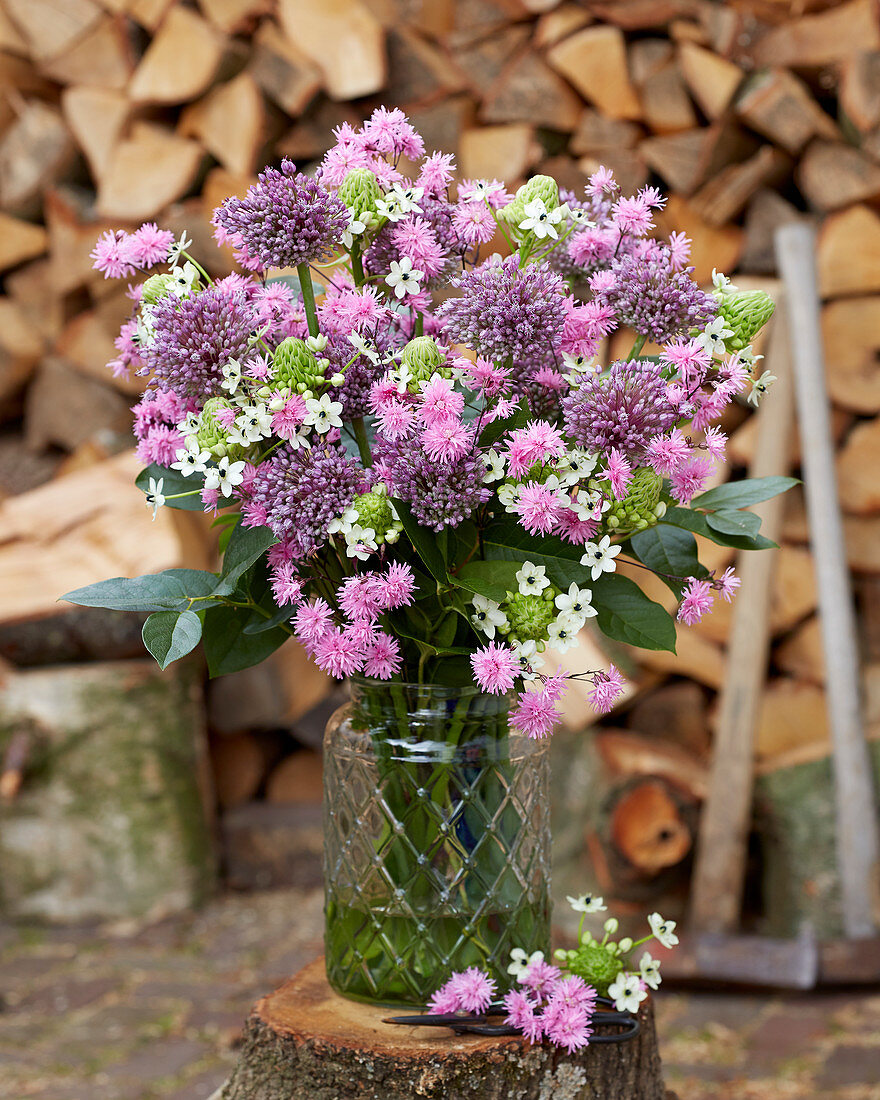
420,469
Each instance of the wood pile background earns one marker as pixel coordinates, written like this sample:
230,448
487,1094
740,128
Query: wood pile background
749,113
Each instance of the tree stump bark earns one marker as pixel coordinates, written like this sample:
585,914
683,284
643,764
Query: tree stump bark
305,1042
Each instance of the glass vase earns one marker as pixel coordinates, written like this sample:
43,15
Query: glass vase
436,840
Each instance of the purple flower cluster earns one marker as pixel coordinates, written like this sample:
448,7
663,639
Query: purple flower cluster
506,312
196,337
440,494
623,410
649,295
285,219
298,493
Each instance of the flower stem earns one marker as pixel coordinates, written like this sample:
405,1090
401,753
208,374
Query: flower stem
357,265
637,347
360,434
308,294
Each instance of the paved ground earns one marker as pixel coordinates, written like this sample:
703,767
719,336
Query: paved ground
154,1014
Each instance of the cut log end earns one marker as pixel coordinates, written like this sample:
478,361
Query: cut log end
305,1041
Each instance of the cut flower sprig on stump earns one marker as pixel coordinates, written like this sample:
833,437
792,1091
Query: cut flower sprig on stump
432,493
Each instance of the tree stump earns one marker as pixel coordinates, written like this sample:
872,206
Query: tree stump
305,1042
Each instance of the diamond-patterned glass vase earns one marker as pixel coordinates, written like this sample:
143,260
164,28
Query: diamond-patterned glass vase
436,840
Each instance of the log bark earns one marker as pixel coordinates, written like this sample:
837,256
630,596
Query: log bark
304,1042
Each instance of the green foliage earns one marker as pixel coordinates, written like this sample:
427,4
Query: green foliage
670,552
170,635
174,482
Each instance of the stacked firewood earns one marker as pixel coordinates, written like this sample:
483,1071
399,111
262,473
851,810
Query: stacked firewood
749,113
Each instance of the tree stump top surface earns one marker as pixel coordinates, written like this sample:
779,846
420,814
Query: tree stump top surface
306,1009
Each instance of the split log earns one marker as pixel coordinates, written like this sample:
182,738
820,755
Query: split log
860,89
711,246
419,72
343,38
780,106
19,241
695,656
51,28
594,61
821,39
36,148
65,409
848,254
297,779
96,117
304,1041
267,847
103,57
801,655
666,105
498,151
851,340
148,171
180,62
722,198
765,213
831,175
111,820
229,122
234,16
857,465
483,60
529,91
674,712
602,136
713,81
556,25
795,820
282,70
792,714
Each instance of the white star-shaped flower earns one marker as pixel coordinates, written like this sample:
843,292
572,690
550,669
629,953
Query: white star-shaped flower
721,282
254,423
225,476
360,345
760,387
322,413
530,660
541,221
185,278
487,616
360,542
191,460
407,197
179,246
599,557
155,500
663,930
356,226
494,463
402,278
712,338
231,372
520,961
563,631
576,602
626,992
587,903
532,579
649,969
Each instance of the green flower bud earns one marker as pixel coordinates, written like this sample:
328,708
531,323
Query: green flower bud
641,507
530,616
745,313
544,188
359,191
424,358
596,966
210,434
374,510
156,287
294,365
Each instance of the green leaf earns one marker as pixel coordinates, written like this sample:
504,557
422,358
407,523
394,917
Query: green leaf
155,592
626,614
174,482
734,522
668,550
424,542
740,494
228,648
170,635
506,541
697,522
490,435
492,579
246,545
282,615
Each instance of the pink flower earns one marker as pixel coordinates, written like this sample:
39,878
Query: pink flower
689,358
539,441
652,197
688,479
495,668
728,583
416,239
286,586
358,596
541,978
633,215
592,246
474,223
698,599
521,1014
446,442
474,989
667,452
679,250
572,990
574,529
335,654
440,402
389,131
601,182
606,689
395,420
619,473
313,620
538,507
288,420
112,255
490,191
383,658
444,1001
715,443
149,245
436,173
567,1026
484,375
395,589
535,714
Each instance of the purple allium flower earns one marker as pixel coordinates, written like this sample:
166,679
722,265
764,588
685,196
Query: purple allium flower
624,410
301,492
654,298
195,337
439,495
285,219
506,311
